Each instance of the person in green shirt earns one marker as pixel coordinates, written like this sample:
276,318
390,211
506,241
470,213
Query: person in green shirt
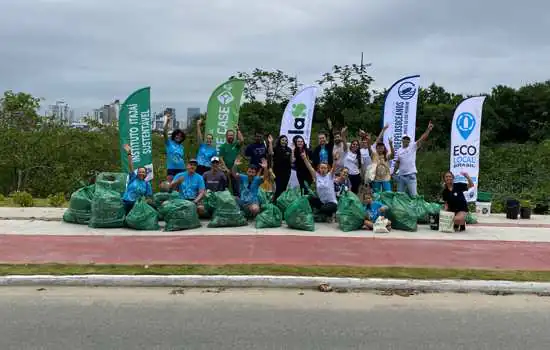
228,153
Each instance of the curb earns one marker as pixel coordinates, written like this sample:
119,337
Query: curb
295,282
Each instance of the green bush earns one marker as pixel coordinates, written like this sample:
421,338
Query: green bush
2,197
22,199
56,200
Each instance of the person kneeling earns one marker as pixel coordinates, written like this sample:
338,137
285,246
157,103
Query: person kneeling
250,185
453,195
137,186
326,201
374,211
191,186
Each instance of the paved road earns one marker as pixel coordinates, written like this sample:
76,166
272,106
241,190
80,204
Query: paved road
77,318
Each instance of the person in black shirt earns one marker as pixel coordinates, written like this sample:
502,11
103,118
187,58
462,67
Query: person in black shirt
302,172
453,196
281,165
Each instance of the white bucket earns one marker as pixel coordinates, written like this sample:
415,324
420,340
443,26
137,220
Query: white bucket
483,208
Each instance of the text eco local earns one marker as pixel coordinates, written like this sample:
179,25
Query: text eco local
465,156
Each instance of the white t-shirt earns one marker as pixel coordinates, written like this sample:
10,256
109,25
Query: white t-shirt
351,162
325,188
365,158
407,159
339,149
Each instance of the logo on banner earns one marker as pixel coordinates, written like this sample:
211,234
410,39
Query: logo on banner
407,90
226,97
299,112
465,124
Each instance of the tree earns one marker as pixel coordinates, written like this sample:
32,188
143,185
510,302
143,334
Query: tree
271,86
19,110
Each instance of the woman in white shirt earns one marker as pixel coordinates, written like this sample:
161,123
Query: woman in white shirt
324,184
353,161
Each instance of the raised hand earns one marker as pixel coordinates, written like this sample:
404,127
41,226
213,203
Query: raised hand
344,129
465,174
430,126
127,148
238,161
303,155
269,138
329,123
199,121
264,163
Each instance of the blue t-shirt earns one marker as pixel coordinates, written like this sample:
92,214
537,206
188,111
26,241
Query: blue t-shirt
323,155
205,154
175,153
136,189
249,189
191,185
256,152
373,210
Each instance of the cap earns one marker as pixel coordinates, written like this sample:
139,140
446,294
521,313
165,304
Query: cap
193,160
215,159
406,136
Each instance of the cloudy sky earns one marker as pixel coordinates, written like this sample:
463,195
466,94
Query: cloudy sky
90,52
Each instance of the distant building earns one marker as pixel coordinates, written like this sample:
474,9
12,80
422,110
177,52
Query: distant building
107,114
192,114
61,112
82,126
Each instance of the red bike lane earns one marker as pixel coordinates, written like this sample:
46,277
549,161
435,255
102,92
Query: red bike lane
269,249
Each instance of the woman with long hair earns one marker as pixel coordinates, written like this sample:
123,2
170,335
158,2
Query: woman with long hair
206,150
381,158
282,163
302,171
453,196
352,161
175,151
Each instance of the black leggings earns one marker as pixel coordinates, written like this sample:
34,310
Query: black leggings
281,182
355,183
325,208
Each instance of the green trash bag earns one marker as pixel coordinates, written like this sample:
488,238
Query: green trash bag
143,217
433,208
350,213
180,214
287,198
161,197
264,198
402,214
471,219
107,209
421,207
299,215
386,198
270,217
227,212
80,206
112,181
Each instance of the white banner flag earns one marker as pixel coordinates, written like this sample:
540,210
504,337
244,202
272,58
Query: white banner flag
465,137
298,115
400,110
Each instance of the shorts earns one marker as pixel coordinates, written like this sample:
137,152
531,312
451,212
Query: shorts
174,172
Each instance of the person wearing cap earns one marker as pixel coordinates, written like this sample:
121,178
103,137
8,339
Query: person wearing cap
191,186
250,186
405,163
215,179
206,150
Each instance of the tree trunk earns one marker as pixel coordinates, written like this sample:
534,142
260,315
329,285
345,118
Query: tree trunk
19,179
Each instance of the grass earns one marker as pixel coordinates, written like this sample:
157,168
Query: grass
277,270
38,202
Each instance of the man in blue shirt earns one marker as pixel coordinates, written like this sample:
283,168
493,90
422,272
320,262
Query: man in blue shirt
257,151
250,186
191,186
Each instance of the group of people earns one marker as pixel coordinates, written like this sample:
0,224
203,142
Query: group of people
334,166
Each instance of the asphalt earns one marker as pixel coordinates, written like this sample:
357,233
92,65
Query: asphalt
97,318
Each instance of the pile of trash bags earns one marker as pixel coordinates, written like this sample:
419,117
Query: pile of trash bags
287,198
350,213
226,211
299,216
406,212
107,209
112,181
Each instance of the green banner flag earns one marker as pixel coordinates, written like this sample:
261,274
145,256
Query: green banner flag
135,128
223,109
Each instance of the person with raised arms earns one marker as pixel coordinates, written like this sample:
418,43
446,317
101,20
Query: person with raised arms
228,152
250,185
381,158
326,201
175,151
405,162
206,150
137,186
